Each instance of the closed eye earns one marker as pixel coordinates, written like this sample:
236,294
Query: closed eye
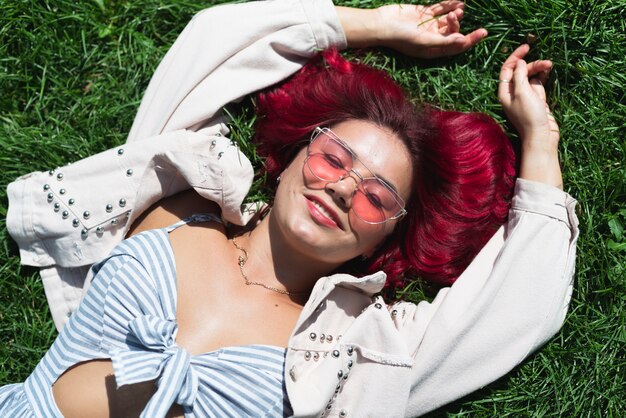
374,200
333,160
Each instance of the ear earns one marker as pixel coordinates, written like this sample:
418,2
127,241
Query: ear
282,173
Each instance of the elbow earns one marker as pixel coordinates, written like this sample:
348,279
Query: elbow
556,319
553,318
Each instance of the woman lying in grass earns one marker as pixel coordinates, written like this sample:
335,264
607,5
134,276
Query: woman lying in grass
194,315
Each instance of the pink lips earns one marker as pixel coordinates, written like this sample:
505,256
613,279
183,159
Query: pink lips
329,218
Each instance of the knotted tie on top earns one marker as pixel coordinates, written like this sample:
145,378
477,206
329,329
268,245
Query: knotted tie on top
157,357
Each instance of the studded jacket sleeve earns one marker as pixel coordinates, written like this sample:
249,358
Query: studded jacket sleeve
68,218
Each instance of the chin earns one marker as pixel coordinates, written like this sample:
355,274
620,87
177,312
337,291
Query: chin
307,232
314,241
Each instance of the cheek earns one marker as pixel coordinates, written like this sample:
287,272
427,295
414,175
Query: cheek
294,172
368,234
310,180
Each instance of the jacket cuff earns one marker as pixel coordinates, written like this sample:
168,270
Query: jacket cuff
532,196
19,221
325,24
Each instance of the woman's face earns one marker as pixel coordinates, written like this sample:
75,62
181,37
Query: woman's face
317,217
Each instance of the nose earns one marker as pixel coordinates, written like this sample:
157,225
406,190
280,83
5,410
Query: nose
343,190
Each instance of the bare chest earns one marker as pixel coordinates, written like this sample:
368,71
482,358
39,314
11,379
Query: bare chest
216,309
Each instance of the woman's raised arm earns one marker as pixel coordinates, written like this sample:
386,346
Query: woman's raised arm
514,296
523,98
229,51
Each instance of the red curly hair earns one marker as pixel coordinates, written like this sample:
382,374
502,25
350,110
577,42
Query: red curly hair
463,164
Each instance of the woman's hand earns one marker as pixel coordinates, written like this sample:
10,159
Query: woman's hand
418,31
523,98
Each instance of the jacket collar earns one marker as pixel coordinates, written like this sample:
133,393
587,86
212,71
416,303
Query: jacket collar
368,285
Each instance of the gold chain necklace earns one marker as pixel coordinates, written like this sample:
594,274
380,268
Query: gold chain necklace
242,262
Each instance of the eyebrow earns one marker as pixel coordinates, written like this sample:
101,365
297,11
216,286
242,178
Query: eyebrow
355,155
387,182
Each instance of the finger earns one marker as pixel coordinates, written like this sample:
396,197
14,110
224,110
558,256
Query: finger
461,43
543,76
446,45
520,74
513,80
519,53
537,86
474,37
536,68
443,20
445,7
453,25
521,82
459,13
506,72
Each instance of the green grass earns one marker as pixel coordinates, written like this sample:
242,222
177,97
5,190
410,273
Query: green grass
72,74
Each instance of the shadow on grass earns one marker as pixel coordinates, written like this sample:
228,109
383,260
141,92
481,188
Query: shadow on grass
482,396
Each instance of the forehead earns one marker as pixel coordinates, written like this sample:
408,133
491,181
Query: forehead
383,152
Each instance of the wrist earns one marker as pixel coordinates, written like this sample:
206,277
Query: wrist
540,140
361,26
541,163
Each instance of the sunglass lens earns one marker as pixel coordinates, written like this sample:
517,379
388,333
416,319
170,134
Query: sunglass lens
328,159
374,202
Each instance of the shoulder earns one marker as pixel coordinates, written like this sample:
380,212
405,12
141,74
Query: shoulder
135,265
148,250
137,278
173,209
198,246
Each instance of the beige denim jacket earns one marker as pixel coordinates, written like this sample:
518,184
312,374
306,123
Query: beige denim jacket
350,354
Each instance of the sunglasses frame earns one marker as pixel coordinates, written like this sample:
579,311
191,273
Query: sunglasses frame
329,133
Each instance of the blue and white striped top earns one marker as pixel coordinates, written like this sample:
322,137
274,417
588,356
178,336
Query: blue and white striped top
129,316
